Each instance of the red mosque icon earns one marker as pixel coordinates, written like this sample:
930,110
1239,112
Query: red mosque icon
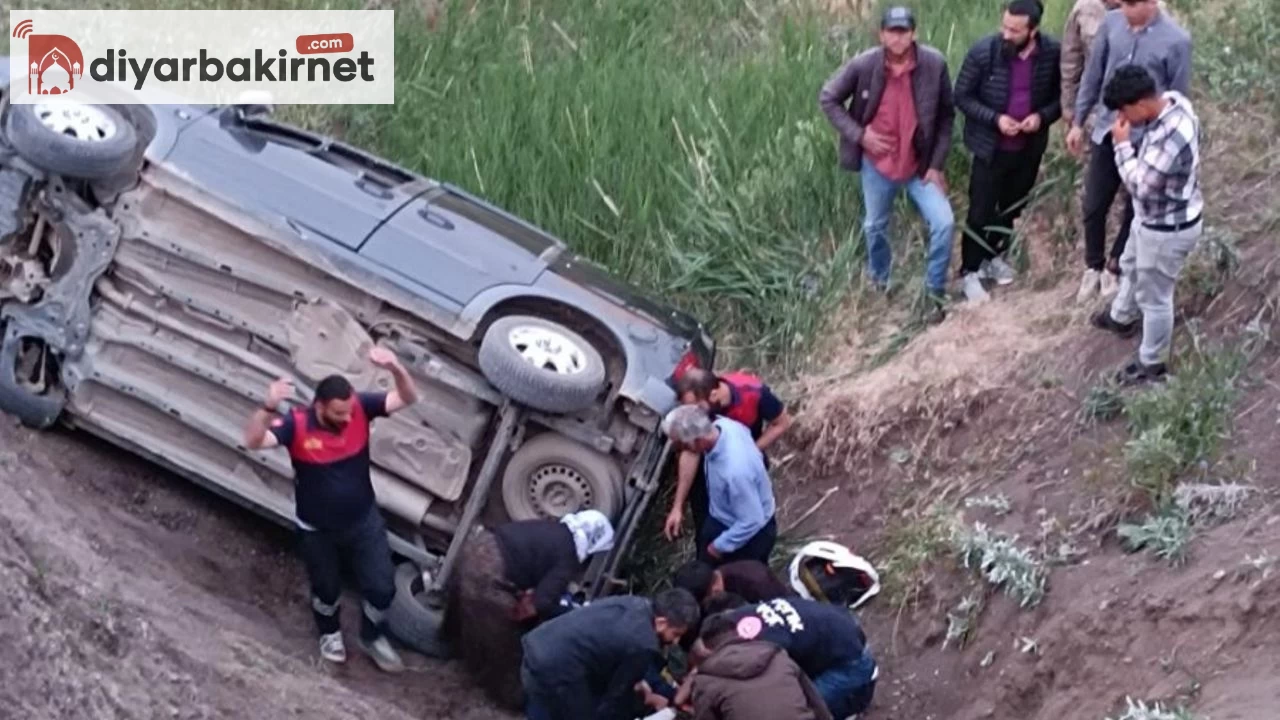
56,64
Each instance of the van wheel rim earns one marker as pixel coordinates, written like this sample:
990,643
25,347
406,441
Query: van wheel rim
82,122
556,490
547,350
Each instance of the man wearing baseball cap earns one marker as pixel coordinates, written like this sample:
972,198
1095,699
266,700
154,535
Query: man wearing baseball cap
892,108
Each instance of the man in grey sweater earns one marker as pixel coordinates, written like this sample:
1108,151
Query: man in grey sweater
1138,32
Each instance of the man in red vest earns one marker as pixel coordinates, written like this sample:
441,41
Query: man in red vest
739,396
337,514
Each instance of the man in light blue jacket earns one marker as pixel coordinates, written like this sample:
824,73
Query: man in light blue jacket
741,525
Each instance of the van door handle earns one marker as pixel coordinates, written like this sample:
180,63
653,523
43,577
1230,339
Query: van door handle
373,187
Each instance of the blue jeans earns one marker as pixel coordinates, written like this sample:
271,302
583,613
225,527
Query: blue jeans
878,194
848,688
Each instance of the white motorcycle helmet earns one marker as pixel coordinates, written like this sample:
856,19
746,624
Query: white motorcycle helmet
830,572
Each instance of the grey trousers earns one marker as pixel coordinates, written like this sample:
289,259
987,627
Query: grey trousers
1149,271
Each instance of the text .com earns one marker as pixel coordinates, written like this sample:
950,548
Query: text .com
117,66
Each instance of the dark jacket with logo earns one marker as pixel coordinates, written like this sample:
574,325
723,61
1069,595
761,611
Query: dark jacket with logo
818,636
590,659
851,97
754,680
982,93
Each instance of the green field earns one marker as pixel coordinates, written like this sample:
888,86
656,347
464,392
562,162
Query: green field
678,143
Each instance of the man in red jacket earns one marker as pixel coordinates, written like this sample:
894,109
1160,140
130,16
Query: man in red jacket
739,396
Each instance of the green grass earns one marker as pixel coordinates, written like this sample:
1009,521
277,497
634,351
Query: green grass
1177,429
910,547
678,143
1239,65
1184,421
1103,403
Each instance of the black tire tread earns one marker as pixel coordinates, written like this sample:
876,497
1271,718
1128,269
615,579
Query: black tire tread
531,386
65,156
411,622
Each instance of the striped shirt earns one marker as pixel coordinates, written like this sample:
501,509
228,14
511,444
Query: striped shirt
1164,178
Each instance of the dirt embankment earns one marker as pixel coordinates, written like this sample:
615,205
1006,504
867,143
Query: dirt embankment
126,593
1006,423
988,407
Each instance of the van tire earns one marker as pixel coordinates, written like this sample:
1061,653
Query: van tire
410,620
549,469
574,383
34,137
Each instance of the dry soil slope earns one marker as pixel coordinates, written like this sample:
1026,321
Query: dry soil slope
126,594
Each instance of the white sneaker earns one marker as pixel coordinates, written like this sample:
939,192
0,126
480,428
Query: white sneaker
383,655
973,290
332,648
999,270
1109,285
1088,285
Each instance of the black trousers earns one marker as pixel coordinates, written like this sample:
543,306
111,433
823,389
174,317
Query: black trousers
364,549
1101,183
998,190
759,547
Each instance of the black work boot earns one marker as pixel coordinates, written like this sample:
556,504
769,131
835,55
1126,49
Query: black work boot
1136,373
1103,321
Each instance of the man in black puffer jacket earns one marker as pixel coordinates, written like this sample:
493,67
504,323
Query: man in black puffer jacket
1009,89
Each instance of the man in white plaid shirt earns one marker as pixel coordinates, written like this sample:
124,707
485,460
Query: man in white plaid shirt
1163,179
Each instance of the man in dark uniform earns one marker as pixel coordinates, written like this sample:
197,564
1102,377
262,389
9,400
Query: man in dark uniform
589,663
337,514
740,396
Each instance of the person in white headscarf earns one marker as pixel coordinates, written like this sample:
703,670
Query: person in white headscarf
510,579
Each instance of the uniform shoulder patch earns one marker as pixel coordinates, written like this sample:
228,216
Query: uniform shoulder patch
749,627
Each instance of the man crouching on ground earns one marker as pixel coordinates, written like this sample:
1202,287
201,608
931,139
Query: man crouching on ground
1164,180
509,579
588,663
338,518
750,679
